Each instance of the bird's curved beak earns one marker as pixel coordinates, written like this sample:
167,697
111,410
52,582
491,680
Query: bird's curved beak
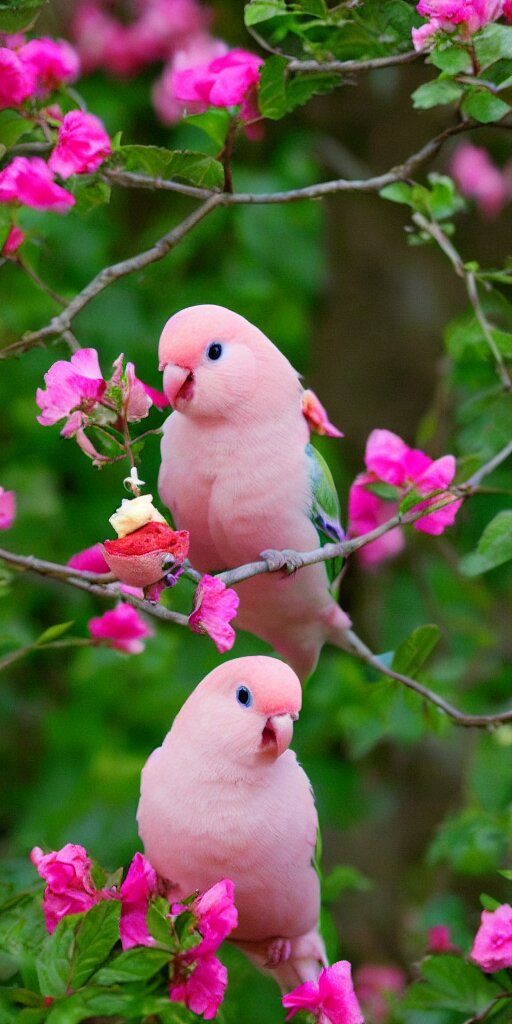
178,382
277,734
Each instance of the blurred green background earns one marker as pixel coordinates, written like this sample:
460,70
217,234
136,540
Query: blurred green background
420,810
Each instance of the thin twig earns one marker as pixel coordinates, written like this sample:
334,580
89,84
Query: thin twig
346,67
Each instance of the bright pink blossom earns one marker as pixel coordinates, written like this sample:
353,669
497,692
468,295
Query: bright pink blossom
316,415
214,607
375,986
90,560
82,145
203,990
366,511
17,82
136,891
7,508
29,180
78,382
479,178
53,62
157,397
198,51
216,917
492,948
70,888
14,239
332,998
439,940
507,10
121,628
227,81
464,16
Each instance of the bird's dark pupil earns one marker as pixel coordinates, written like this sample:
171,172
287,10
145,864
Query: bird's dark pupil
243,695
215,351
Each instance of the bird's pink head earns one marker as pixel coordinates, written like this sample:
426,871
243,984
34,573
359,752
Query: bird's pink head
243,711
214,362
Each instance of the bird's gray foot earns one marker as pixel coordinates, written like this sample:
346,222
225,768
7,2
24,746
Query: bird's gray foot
288,560
278,951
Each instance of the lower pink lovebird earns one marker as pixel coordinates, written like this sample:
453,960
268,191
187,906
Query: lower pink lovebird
224,797
238,472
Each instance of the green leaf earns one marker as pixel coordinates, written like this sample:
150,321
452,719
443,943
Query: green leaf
414,651
53,632
342,878
272,98
462,985
89,193
262,10
484,107
436,93
53,965
12,127
158,923
18,14
183,165
493,43
96,935
136,964
301,88
488,902
493,549
452,59
399,192
383,490
472,842
214,123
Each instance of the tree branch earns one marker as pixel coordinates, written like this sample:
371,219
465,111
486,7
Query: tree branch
346,67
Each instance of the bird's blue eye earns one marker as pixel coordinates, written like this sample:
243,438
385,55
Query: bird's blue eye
244,696
214,350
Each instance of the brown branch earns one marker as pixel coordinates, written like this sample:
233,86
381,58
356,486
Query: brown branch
346,67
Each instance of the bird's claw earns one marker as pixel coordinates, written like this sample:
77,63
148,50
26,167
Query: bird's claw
288,560
278,951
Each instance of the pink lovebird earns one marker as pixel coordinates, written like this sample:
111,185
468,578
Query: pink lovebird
239,473
224,797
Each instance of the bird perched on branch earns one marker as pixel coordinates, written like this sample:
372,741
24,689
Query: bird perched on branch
225,797
239,473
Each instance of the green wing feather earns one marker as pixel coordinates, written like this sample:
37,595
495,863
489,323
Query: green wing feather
325,510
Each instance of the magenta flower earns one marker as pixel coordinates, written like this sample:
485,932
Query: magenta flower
216,917
439,940
28,180
122,628
492,948
136,891
82,145
479,178
464,16
228,81
78,382
332,998
214,607
90,560
7,508
158,398
14,239
52,62
375,986
203,990
198,51
70,888
316,415
389,460
17,82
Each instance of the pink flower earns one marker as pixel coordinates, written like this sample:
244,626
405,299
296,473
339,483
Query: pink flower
492,948
14,239
216,917
17,82
314,412
203,990
214,607
136,891
507,10
479,178
7,508
227,81
467,16
332,999
439,940
389,460
70,888
82,145
122,628
157,397
52,62
78,382
90,560
198,51
374,985
136,397
28,180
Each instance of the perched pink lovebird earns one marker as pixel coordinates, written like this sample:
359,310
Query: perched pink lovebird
239,473
224,797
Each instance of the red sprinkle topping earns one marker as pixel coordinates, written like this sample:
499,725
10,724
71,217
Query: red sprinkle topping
151,537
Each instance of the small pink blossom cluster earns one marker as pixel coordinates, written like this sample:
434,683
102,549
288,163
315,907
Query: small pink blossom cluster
390,461
121,628
478,177
7,508
214,607
227,81
464,17
331,999
34,69
198,978
492,948
77,392
316,415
